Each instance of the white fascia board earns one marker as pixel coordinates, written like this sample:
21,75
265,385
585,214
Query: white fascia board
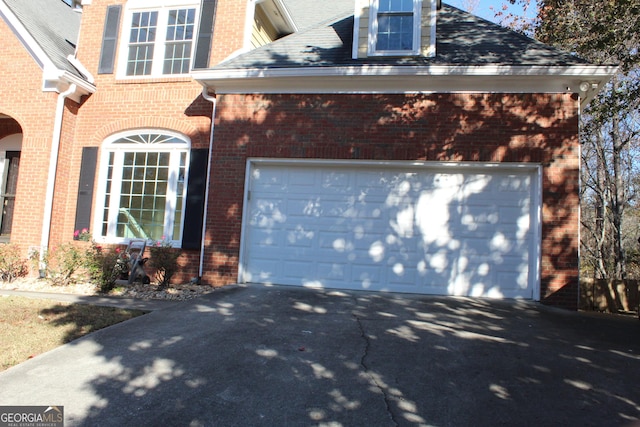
408,79
83,87
55,80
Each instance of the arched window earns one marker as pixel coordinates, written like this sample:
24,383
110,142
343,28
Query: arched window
143,175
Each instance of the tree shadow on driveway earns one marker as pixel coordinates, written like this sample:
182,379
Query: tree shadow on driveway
259,355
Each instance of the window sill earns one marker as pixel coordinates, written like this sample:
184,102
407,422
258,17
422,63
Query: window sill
147,80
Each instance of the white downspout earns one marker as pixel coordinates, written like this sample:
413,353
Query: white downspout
51,177
211,99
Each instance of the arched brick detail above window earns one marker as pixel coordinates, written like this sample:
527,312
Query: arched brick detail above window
149,122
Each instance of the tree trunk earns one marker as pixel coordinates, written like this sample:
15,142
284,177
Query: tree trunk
618,201
600,220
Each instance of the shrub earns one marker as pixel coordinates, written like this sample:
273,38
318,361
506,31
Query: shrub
105,266
64,263
164,258
34,261
82,235
12,265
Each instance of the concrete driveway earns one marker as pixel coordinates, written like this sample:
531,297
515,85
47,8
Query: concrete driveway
280,356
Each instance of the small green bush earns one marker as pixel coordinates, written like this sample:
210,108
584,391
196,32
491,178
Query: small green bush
164,258
12,265
105,266
63,263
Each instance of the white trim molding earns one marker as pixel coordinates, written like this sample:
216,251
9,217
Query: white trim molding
375,79
373,32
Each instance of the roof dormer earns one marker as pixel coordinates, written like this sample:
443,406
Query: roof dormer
271,21
394,28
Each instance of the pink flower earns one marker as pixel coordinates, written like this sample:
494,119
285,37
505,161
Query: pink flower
76,233
85,230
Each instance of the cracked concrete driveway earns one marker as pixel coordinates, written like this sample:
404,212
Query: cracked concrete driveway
280,356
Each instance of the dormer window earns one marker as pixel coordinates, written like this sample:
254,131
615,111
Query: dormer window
394,27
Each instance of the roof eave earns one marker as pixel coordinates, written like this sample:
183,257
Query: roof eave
53,78
59,81
584,80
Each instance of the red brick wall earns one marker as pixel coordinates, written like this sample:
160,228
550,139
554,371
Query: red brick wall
229,29
123,104
32,112
446,127
118,105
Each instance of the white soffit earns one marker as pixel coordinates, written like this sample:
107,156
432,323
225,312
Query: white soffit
584,80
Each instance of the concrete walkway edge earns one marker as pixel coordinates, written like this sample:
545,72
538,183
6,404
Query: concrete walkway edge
100,300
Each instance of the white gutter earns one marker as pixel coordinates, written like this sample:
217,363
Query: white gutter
211,99
380,79
53,163
406,71
55,79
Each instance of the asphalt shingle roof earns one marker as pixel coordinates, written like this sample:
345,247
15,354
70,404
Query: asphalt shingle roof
309,13
53,25
461,39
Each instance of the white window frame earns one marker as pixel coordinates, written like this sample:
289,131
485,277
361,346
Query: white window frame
373,32
162,7
108,147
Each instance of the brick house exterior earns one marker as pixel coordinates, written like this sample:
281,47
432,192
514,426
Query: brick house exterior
505,117
316,132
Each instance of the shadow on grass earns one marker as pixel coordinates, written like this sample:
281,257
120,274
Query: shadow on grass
83,319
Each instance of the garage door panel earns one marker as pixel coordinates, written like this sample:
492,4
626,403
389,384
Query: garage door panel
296,271
361,228
339,271
301,180
299,239
263,270
305,206
372,180
513,183
267,241
367,276
400,274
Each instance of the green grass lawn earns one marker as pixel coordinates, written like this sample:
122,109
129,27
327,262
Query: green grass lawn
29,327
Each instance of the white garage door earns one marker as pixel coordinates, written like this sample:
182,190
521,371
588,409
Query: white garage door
427,228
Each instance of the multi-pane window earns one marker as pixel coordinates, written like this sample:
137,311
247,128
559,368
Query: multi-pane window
177,53
395,25
141,43
160,42
144,190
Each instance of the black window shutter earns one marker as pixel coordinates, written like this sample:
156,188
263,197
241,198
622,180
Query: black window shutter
109,40
85,187
194,210
205,34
